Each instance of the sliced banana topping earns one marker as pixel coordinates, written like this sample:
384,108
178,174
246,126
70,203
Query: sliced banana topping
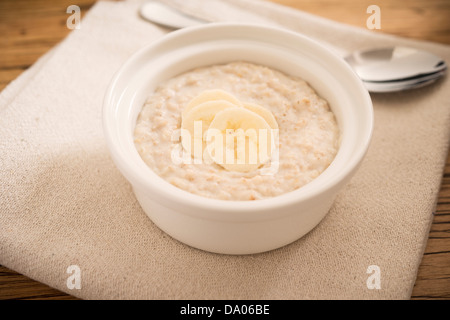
195,123
237,136
239,140
211,95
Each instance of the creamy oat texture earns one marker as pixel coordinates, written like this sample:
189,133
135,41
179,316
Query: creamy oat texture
308,132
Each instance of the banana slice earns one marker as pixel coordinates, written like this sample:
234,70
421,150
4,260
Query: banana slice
211,95
192,133
239,140
238,136
263,112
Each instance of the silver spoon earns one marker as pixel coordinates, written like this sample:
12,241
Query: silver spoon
396,68
381,70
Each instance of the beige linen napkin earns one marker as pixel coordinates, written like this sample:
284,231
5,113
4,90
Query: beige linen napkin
64,203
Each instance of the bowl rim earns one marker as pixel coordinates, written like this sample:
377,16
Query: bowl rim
174,196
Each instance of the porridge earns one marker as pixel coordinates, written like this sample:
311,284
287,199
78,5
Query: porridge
272,132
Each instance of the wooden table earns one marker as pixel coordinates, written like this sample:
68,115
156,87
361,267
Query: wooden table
29,28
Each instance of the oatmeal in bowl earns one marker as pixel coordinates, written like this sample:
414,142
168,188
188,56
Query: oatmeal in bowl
307,134
236,138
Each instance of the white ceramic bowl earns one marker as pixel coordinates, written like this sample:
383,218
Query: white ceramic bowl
236,227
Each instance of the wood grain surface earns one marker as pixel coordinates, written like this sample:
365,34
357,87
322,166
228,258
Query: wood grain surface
29,28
